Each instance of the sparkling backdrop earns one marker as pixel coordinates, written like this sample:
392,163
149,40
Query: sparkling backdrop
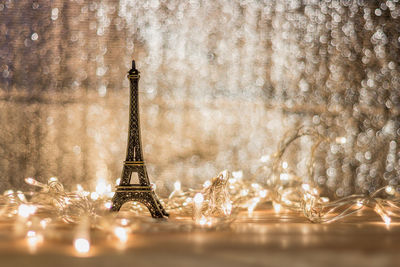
221,83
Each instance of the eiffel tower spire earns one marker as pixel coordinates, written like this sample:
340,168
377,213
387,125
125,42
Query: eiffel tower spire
141,192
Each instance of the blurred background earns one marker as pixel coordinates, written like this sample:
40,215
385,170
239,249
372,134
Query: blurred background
221,83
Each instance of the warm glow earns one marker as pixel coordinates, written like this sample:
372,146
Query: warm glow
79,188
306,187
30,180
386,219
207,184
121,233
265,158
341,140
45,222
94,195
285,165
277,207
390,190
198,198
227,208
33,239
101,187
284,177
263,193
244,192
108,205
177,186
82,245
252,206
26,210
53,179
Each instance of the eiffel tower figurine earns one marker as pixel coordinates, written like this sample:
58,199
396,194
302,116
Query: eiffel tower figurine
141,192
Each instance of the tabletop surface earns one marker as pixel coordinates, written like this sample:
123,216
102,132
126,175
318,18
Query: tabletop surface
265,239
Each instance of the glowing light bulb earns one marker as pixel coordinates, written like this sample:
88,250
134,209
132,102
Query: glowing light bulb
263,193
33,239
118,181
390,190
207,183
21,196
8,192
202,221
252,206
265,158
53,179
277,207
285,165
198,198
26,210
121,234
108,205
284,177
386,219
101,187
45,222
94,195
244,192
306,187
79,188
177,186
227,208
82,245
341,140
30,180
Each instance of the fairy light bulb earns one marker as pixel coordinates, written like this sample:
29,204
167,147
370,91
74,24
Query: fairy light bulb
390,190
177,186
33,240
82,236
121,234
252,206
285,165
82,245
108,205
94,195
101,187
26,210
306,187
198,199
207,184
341,140
277,207
79,188
198,205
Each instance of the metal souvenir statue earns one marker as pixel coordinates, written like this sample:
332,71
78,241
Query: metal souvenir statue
134,163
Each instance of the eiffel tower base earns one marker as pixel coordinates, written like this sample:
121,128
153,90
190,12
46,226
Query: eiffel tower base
138,193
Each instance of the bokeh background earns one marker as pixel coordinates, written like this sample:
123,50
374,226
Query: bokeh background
221,82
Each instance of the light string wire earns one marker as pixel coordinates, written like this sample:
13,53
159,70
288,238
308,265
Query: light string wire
306,198
221,200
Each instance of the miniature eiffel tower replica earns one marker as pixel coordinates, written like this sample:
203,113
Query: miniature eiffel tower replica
141,192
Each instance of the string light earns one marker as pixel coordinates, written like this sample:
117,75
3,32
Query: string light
82,245
121,234
216,204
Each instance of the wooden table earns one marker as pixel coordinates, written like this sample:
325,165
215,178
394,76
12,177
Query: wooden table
266,239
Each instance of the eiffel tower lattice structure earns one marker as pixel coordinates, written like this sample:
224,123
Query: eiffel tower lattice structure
134,163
